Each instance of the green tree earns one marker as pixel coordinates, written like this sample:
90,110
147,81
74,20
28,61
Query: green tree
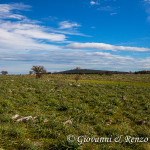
4,72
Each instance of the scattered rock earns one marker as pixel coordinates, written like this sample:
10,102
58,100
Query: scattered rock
68,122
35,117
142,122
37,144
42,89
30,89
109,123
24,119
45,120
15,116
11,90
110,120
123,98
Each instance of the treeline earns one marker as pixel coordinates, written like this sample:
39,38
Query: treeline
88,71
40,70
100,72
143,72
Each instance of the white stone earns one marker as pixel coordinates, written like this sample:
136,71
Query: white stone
24,119
15,116
68,122
45,120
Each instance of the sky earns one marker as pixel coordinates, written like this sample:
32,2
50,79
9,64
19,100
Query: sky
65,34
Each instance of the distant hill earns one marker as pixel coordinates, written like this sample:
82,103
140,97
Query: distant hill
89,71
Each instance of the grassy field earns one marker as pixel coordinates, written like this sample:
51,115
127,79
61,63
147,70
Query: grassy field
95,106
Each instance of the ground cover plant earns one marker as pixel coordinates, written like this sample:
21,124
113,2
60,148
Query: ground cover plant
95,106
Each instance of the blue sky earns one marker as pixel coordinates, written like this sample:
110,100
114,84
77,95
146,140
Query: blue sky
64,34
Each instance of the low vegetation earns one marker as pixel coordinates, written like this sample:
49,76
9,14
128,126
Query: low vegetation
55,106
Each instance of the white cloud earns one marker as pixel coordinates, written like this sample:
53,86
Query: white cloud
148,18
16,16
147,8
24,42
113,14
68,32
39,34
68,25
15,36
12,42
111,56
69,60
24,35
146,0
94,3
6,10
103,46
106,8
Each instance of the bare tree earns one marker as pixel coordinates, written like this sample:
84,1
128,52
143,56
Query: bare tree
39,71
4,72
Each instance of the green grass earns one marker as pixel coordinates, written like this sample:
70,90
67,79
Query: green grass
115,82
95,106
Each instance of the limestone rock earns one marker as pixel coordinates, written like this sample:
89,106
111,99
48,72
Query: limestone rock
45,120
68,122
24,119
15,116
123,98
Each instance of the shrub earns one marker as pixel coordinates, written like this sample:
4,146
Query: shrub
77,77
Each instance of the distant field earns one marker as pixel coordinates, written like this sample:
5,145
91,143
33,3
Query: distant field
95,106
138,78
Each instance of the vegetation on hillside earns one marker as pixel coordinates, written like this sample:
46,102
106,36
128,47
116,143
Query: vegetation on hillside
89,71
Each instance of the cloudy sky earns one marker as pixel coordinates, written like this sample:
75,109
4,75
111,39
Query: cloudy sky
65,34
